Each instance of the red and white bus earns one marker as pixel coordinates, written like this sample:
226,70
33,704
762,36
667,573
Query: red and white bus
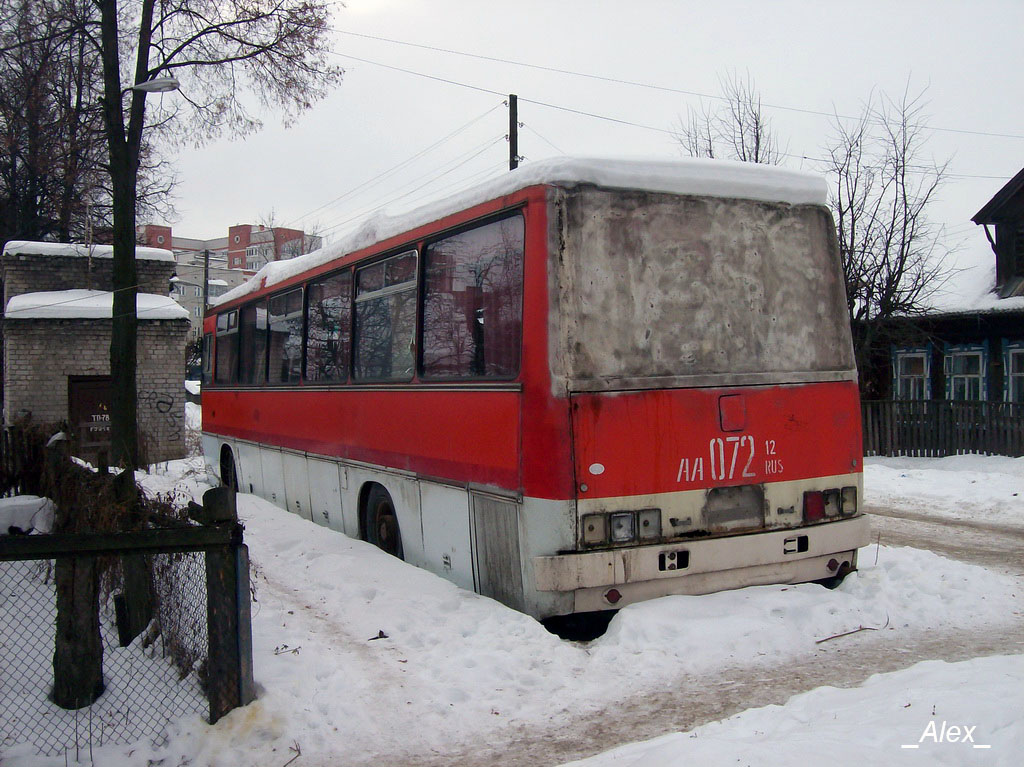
579,386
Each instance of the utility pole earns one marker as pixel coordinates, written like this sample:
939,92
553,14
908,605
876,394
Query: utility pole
513,132
206,281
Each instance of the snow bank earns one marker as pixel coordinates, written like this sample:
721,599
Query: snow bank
980,488
691,176
869,724
453,666
89,304
23,247
357,654
26,512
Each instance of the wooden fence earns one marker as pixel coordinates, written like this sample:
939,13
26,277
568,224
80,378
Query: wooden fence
935,428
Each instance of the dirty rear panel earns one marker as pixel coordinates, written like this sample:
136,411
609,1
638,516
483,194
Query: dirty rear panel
657,289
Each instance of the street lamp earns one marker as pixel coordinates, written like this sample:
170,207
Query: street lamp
157,85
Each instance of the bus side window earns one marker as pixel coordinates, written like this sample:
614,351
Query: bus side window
207,358
328,320
473,302
386,319
252,352
226,370
285,323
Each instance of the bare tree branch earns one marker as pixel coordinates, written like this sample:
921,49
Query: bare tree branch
737,129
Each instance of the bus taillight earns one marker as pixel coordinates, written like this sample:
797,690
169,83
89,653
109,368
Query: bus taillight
814,506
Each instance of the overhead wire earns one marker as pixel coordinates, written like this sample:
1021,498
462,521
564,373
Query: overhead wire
434,174
558,107
618,120
639,84
393,169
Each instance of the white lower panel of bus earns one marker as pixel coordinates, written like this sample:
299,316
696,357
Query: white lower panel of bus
488,541
712,564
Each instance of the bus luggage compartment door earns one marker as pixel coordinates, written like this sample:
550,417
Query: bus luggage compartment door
496,546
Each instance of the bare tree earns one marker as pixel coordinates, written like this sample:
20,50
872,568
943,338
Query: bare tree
221,52
53,179
883,182
735,129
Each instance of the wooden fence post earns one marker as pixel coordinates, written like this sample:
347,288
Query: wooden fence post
229,629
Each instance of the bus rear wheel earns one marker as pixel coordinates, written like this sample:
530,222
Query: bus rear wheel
381,522
228,473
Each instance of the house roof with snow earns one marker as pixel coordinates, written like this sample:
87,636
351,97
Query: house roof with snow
88,304
24,247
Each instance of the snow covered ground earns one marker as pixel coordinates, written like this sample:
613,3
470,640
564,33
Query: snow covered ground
362,659
975,488
934,713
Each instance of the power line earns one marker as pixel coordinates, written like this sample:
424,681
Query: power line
459,162
542,138
630,123
549,105
638,84
418,74
390,171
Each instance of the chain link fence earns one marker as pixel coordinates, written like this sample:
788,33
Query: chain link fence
160,676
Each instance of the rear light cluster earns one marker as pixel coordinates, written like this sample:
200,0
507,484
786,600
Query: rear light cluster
622,527
829,504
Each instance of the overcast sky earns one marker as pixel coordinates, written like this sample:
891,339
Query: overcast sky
324,172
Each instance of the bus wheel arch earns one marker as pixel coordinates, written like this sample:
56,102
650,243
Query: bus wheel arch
228,468
378,520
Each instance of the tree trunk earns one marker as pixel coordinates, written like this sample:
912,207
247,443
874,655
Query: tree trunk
78,648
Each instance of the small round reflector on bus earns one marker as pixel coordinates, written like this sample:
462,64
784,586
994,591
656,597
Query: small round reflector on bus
612,596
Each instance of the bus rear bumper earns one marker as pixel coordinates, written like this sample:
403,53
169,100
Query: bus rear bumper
703,566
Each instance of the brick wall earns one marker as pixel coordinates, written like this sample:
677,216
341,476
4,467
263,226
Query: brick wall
26,273
40,355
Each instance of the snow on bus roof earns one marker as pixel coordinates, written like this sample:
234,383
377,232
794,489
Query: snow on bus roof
24,247
688,176
89,304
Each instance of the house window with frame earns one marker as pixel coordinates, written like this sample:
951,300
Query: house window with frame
911,373
965,368
1013,361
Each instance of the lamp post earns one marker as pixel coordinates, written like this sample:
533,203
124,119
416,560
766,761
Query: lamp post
157,85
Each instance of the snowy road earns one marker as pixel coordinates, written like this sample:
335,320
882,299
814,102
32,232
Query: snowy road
692,701
999,547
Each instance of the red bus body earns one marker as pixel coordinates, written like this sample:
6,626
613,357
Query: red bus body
728,451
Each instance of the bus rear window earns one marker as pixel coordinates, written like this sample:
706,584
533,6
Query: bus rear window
473,302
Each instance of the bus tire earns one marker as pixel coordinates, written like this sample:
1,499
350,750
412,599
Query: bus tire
380,522
228,472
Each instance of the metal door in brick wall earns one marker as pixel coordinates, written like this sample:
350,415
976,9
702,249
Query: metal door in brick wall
89,399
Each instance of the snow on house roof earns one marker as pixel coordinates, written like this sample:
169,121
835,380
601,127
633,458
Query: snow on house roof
972,291
88,304
689,176
23,247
